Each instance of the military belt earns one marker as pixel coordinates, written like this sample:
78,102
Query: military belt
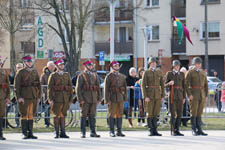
4,86
196,87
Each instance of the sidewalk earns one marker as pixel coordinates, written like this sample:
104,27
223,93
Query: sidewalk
133,141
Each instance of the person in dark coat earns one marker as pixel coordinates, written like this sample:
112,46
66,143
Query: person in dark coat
131,80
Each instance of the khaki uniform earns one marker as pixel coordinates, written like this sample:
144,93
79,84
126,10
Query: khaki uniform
153,87
4,94
115,92
60,92
4,91
27,86
176,97
88,90
197,86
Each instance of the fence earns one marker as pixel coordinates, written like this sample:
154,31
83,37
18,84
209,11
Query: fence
212,110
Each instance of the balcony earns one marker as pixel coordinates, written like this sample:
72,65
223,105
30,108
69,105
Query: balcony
120,15
120,47
177,48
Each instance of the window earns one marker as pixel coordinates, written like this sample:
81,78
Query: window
213,30
153,32
27,47
25,3
151,3
27,22
210,2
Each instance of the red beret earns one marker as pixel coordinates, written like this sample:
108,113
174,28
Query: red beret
88,62
27,58
59,62
114,63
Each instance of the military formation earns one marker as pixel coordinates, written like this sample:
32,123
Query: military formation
59,94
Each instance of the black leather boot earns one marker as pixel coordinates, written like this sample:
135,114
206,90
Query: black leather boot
62,127
83,127
92,122
24,126
112,126
193,126
198,126
177,127
150,126
1,125
119,127
30,130
155,127
56,126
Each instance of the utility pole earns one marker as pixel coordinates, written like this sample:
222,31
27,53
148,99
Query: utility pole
206,36
112,28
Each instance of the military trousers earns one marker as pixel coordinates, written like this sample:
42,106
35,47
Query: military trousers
60,109
176,109
28,109
196,106
88,109
115,109
153,108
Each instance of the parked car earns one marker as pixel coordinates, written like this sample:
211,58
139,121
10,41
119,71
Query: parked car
213,84
101,77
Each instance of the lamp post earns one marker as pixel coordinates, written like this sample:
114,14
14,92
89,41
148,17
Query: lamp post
206,36
112,28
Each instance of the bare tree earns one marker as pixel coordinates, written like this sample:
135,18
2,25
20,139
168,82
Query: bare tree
73,16
10,19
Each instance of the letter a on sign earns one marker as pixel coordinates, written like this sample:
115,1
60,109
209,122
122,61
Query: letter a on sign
39,21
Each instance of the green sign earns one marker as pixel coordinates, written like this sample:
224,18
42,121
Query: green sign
40,54
40,38
118,58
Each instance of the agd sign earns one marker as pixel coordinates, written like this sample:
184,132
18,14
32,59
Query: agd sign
40,38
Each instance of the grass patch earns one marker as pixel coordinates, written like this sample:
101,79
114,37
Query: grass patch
214,121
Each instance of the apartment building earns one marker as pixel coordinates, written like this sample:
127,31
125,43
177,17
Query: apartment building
132,17
216,32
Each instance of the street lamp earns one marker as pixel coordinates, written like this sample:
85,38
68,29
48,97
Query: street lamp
112,28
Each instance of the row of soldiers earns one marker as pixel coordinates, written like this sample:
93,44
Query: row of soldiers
27,88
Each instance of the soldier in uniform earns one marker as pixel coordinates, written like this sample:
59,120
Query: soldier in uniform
175,81
28,93
4,95
153,93
88,94
197,91
60,96
115,93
